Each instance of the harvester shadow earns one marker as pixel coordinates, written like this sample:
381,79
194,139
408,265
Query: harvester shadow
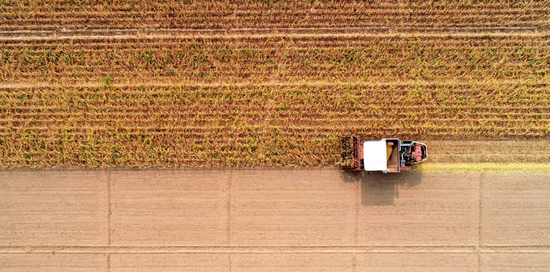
379,189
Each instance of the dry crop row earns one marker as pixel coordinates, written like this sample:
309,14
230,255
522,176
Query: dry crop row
61,14
284,58
251,125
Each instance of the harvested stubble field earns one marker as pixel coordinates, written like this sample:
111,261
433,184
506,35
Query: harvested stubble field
272,97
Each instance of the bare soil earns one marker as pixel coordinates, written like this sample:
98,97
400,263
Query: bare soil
273,220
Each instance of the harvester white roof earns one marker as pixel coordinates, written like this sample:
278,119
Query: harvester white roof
374,155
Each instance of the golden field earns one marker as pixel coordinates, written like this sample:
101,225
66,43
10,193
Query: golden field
223,15
254,91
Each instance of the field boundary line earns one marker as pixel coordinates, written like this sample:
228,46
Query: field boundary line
274,83
269,249
108,259
480,215
230,179
427,167
259,33
405,29
109,208
358,200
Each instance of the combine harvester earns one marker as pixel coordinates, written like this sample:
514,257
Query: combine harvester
387,155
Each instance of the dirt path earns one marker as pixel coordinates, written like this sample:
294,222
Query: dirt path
273,219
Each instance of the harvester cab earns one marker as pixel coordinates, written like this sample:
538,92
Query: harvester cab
389,155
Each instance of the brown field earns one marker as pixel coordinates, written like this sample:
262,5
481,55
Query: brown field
273,220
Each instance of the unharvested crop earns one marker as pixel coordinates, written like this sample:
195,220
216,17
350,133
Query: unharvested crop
277,59
247,125
264,97
222,15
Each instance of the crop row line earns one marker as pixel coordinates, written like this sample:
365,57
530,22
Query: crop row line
151,6
217,43
426,106
201,86
289,128
301,119
319,22
534,114
280,107
223,115
344,10
249,92
249,74
264,47
124,34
